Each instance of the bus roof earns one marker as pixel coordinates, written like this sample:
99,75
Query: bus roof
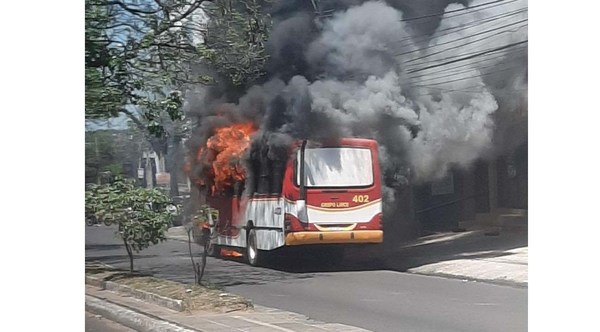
351,141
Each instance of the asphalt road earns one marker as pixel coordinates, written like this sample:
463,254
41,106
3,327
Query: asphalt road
96,323
353,292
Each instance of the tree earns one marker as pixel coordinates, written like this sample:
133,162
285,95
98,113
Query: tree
142,215
143,53
111,150
138,57
136,49
141,56
199,228
234,41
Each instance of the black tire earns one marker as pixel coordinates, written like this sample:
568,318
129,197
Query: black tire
90,220
253,255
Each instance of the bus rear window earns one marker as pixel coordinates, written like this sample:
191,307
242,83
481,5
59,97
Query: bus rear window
337,167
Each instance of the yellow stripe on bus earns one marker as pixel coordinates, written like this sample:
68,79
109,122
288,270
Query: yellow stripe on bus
354,208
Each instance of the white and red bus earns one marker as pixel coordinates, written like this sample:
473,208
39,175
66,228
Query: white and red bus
329,194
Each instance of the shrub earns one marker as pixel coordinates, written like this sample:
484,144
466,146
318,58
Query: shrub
142,215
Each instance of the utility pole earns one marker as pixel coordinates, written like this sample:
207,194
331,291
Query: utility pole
148,172
97,159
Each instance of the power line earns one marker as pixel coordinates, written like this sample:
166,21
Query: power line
466,89
458,90
474,76
428,79
419,67
493,3
330,12
449,69
492,50
462,38
465,26
485,57
462,45
458,72
515,91
459,46
411,69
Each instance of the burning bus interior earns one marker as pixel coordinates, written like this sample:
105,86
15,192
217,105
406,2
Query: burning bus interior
236,163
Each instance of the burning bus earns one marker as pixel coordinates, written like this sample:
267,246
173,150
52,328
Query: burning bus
307,193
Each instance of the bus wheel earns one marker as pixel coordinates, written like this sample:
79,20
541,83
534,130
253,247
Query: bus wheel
252,253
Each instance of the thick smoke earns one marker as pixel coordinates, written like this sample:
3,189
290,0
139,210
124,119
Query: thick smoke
358,42
420,86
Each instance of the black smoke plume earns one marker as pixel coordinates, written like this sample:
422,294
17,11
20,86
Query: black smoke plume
432,81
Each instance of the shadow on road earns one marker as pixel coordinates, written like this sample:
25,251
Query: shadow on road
171,259
113,259
234,271
450,246
104,246
392,255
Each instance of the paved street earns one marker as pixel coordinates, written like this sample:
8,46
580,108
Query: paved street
353,292
97,323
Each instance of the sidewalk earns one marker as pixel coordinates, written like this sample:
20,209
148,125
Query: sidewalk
144,316
472,255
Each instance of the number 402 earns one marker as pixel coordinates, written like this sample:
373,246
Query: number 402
360,198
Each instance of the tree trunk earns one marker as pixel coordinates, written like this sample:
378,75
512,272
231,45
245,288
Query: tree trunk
97,159
130,254
149,172
172,160
174,191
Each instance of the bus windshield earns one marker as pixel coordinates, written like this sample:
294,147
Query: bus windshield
337,167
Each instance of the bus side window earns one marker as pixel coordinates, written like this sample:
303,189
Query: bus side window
264,172
277,177
252,181
263,182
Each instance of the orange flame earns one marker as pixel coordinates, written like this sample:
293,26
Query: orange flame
229,253
229,144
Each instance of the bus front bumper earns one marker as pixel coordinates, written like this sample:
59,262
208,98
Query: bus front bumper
299,238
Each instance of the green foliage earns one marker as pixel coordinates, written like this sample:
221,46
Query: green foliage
143,55
114,168
139,53
234,44
142,215
101,99
110,150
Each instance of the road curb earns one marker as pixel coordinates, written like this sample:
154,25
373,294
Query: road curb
162,301
175,238
130,318
499,282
